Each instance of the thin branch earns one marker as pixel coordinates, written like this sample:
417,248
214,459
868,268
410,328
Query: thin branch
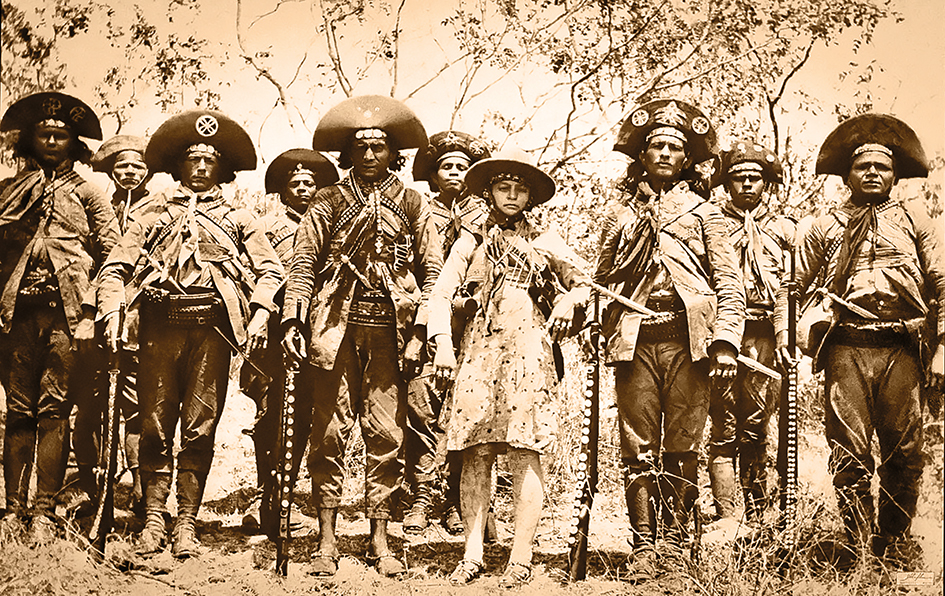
332,42
773,102
393,85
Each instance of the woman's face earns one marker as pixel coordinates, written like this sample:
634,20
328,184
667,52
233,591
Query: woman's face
450,174
510,196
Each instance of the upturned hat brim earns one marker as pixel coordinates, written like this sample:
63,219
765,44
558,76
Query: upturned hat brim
167,145
337,127
540,185
700,136
281,168
749,152
836,153
29,110
104,158
441,143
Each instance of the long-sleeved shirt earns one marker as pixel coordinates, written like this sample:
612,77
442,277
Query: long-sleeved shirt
896,270
63,226
377,237
197,242
760,241
694,257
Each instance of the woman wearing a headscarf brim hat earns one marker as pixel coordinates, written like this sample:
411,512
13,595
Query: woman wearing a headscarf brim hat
667,114
743,155
104,158
337,127
441,145
512,162
50,105
200,127
853,135
282,167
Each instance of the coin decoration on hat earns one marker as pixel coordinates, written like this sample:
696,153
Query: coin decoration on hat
205,131
748,155
53,109
443,144
667,117
371,117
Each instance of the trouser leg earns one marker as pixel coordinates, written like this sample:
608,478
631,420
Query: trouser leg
19,444
475,495
52,454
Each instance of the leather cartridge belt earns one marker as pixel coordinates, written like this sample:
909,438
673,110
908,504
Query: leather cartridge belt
866,335
372,308
665,326
184,310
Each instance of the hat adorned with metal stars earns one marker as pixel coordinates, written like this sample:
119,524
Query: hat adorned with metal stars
104,158
873,132
670,117
53,108
510,164
369,112
748,155
442,144
295,161
200,127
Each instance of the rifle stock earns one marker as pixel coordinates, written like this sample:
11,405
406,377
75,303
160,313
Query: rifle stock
787,421
587,460
108,459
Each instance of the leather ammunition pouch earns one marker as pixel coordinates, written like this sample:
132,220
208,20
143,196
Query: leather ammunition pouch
184,310
665,326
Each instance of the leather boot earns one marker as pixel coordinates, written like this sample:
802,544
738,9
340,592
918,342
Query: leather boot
416,519
640,495
52,457
722,479
190,485
681,470
157,485
19,442
138,504
856,509
753,474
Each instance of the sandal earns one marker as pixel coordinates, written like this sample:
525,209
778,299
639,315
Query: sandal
323,565
387,565
465,572
515,576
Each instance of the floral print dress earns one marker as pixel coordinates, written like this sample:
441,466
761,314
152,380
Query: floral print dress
505,378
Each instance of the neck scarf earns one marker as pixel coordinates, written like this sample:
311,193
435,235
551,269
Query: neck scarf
753,246
862,225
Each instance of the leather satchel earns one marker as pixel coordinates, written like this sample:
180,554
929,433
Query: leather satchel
817,317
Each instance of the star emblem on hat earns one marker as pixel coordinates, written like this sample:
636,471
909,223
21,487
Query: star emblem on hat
52,106
671,114
449,139
206,125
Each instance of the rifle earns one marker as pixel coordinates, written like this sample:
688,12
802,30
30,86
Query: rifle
787,421
108,459
587,460
283,471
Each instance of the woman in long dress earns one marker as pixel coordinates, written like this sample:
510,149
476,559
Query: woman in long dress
503,396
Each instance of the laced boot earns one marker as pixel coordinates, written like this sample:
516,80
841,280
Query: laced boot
154,535
416,519
190,486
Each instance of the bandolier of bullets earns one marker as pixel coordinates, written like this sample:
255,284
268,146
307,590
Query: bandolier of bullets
587,459
283,470
787,440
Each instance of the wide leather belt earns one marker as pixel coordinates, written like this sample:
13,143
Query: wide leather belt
184,310
372,312
865,335
665,326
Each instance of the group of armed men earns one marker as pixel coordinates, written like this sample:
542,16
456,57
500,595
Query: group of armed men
172,286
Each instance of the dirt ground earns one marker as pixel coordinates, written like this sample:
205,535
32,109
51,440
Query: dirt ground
234,562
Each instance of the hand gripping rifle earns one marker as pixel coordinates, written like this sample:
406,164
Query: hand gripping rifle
283,471
787,421
587,460
108,458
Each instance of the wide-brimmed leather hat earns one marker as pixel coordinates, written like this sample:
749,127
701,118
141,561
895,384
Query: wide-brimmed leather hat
749,152
837,152
52,105
670,113
104,158
288,162
195,127
441,143
517,163
337,127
